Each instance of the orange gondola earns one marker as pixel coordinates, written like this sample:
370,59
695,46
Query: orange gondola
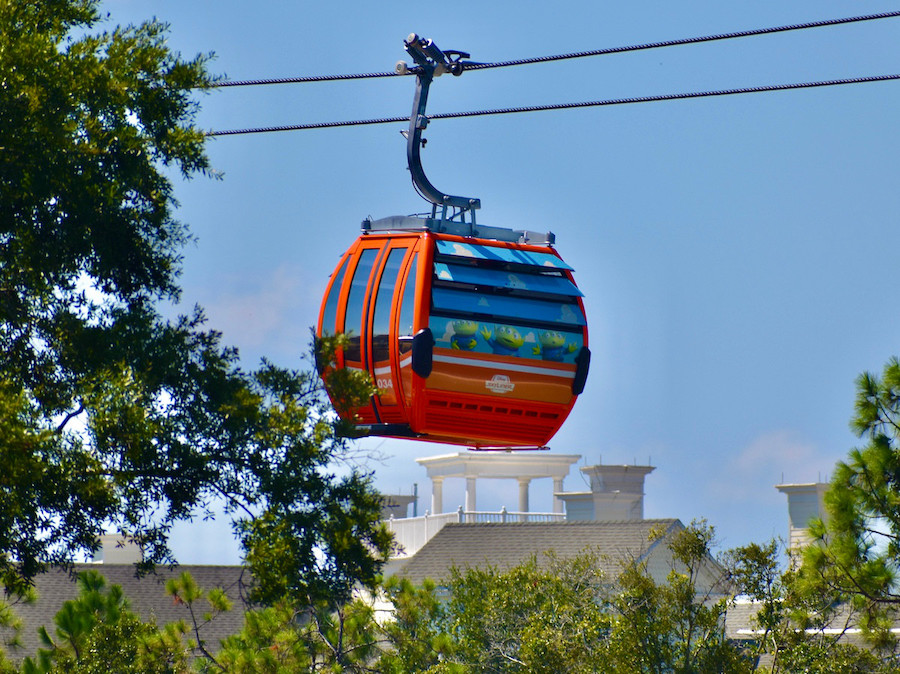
473,335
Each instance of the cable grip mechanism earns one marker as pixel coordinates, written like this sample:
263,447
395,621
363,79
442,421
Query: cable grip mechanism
430,62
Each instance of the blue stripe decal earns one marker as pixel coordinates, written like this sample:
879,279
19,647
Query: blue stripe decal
477,251
560,314
496,278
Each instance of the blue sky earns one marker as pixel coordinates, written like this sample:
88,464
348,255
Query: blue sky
738,254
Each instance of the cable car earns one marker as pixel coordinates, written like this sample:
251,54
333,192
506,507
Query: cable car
473,335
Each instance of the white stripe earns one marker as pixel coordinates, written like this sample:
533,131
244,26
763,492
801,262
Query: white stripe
383,370
491,365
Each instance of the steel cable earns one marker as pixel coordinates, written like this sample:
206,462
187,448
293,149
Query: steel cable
686,41
573,55
566,106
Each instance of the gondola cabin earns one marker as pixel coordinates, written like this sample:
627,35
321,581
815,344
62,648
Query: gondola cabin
470,341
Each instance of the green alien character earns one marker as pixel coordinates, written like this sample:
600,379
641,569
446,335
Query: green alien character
553,346
463,337
505,339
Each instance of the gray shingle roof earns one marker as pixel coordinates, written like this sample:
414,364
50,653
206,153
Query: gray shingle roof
508,544
147,597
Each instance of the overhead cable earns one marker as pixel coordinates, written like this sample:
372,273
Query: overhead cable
565,106
686,41
306,80
573,55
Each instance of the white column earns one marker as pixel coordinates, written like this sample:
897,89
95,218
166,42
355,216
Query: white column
437,495
523,494
557,488
470,494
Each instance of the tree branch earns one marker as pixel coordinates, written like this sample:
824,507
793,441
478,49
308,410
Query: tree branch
71,415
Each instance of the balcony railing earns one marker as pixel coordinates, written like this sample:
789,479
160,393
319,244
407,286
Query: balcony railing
411,533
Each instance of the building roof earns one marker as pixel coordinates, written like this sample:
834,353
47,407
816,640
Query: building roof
505,545
146,596
499,465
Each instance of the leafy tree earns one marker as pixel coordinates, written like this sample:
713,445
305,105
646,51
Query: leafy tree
557,615
561,614
848,575
11,627
796,628
536,617
679,625
112,417
96,633
184,590
270,642
854,558
757,576
415,632
280,638
342,638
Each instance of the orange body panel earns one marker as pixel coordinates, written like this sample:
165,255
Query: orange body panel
500,377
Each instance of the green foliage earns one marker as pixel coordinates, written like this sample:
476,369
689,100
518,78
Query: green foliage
126,646
679,625
271,642
756,575
279,639
854,560
798,627
112,417
540,617
43,475
415,630
316,545
348,387
184,590
78,617
561,615
547,615
342,639
96,633
11,626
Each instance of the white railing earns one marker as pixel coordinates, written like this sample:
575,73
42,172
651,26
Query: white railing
411,533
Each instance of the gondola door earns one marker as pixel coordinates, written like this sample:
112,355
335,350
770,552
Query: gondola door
384,297
353,320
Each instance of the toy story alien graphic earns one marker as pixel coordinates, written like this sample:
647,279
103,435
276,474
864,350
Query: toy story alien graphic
463,337
505,340
553,346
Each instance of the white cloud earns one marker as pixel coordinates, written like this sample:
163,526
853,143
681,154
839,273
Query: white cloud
769,459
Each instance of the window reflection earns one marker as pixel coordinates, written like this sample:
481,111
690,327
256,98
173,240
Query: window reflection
353,323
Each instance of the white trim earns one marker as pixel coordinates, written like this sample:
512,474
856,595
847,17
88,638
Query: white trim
509,367
829,631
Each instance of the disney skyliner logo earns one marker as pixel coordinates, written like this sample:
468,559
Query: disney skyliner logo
499,383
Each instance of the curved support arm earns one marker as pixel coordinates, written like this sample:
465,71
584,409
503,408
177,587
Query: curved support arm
432,62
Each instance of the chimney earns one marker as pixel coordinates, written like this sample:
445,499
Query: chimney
117,549
805,501
617,491
395,505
